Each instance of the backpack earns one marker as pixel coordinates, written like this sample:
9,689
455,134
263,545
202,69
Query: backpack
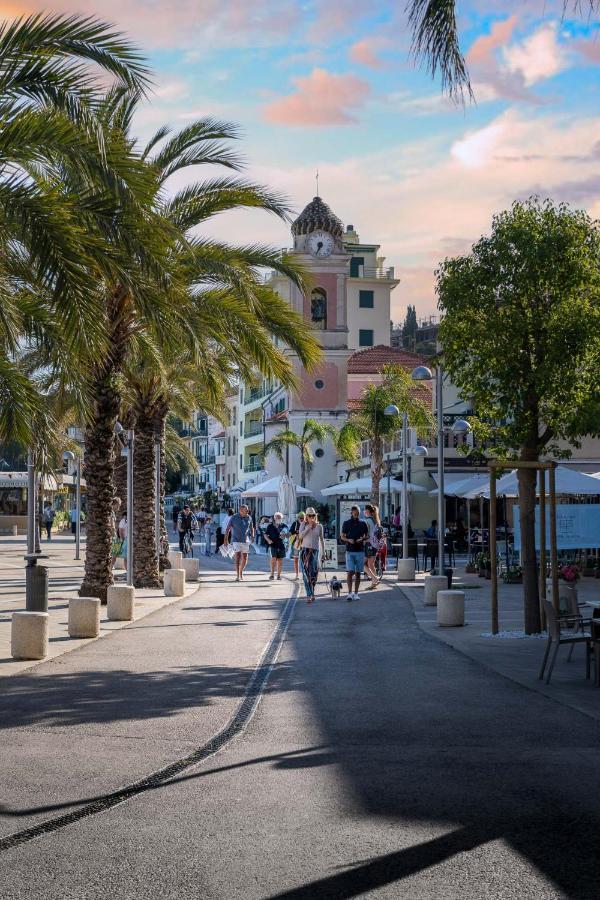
377,539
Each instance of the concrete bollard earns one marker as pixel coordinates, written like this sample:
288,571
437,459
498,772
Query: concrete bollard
191,567
84,617
451,608
29,635
15,531
175,558
174,582
119,563
120,600
433,584
406,569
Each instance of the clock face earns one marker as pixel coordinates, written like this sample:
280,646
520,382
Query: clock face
320,243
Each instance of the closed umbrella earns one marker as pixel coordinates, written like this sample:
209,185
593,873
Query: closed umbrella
286,498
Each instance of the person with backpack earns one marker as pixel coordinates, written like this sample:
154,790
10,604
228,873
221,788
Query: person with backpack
375,542
296,543
186,521
48,518
273,537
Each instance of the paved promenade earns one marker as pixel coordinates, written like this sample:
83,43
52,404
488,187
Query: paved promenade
241,745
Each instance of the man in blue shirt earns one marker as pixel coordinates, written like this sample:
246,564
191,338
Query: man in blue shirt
354,535
242,533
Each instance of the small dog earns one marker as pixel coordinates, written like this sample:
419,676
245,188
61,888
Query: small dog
335,586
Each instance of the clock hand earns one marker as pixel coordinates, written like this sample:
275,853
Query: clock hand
319,247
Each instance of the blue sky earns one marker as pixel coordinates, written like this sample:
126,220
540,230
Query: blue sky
331,86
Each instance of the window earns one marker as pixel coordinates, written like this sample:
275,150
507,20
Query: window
318,309
355,264
365,337
365,299
319,384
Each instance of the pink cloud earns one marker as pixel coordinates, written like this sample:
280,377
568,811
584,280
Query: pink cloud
482,50
366,52
321,99
589,49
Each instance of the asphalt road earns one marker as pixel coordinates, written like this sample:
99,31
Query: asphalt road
379,763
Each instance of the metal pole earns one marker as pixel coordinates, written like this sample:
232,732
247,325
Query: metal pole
441,496
157,492
389,498
130,436
404,486
469,529
78,507
493,560
542,546
30,503
553,548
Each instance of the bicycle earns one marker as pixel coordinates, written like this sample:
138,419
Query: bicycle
188,543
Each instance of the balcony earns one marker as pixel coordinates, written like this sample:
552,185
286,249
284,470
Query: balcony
254,394
206,460
193,433
220,459
253,467
375,273
255,429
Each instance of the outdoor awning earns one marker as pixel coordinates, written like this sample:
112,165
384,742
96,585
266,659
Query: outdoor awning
459,485
568,481
270,488
363,486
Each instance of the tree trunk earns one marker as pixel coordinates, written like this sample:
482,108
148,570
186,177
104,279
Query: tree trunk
160,426
99,461
145,557
376,468
527,495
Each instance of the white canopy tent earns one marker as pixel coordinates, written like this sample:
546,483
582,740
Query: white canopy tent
568,481
271,488
363,486
459,485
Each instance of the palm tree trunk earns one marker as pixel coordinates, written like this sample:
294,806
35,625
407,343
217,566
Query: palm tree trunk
145,557
99,461
376,468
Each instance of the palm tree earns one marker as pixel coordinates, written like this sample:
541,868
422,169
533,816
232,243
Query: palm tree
313,432
368,422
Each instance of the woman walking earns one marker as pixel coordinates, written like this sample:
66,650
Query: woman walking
277,547
296,543
311,535
374,543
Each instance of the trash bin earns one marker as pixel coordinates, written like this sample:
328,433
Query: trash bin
36,588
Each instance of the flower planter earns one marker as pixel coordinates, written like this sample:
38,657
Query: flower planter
567,594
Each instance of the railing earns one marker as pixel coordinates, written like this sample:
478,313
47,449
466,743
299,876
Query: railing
206,460
254,431
253,467
369,272
193,433
255,394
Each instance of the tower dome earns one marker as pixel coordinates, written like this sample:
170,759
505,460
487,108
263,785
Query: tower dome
317,215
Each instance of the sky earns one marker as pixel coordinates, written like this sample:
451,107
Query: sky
331,86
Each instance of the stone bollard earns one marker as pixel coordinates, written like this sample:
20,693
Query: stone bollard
174,582
175,558
120,599
191,568
406,569
29,635
433,584
15,531
451,608
119,562
84,617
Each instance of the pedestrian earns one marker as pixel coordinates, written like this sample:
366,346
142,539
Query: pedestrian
227,519
122,534
186,522
115,550
175,514
354,535
201,516
207,529
311,536
296,542
74,517
431,546
242,531
48,518
374,544
276,546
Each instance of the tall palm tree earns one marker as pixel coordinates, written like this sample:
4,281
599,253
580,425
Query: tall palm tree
367,421
313,432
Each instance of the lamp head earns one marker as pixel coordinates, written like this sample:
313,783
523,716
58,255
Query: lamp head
118,428
422,373
391,410
421,451
68,456
461,426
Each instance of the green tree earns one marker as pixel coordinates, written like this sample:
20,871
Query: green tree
367,420
521,336
313,432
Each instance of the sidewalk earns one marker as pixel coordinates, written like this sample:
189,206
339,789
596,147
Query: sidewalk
65,574
517,658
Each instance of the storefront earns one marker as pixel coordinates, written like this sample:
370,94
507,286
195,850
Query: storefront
58,489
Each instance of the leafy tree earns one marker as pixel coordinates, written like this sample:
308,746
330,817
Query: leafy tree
409,328
367,421
521,337
313,432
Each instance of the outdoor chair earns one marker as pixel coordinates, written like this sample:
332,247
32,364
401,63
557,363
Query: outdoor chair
573,620
558,636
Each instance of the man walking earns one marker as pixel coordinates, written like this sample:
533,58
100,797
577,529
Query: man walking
48,518
242,532
354,536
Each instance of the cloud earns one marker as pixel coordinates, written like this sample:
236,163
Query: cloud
589,50
538,57
366,52
322,99
483,49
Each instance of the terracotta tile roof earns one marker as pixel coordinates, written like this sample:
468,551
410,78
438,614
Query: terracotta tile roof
373,359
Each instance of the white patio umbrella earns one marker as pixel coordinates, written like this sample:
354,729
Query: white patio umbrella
363,486
286,498
568,481
270,488
461,487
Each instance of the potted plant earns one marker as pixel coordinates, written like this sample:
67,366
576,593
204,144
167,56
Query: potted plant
513,575
568,576
470,567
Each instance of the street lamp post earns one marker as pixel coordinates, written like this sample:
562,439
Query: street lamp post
157,462
460,426
127,451
69,456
